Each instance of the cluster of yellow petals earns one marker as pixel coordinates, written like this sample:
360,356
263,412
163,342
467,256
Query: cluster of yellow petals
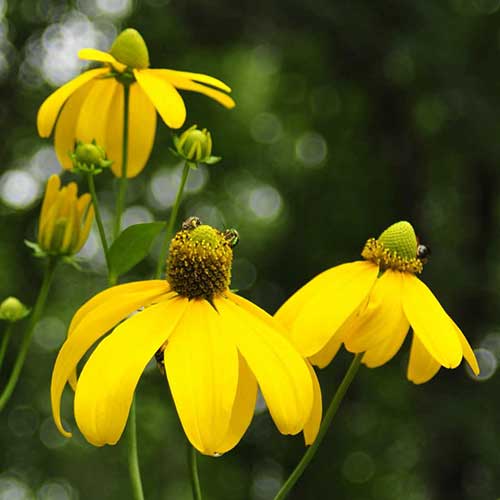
90,107
65,218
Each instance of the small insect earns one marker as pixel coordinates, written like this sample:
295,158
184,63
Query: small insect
232,237
423,252
191,223
159,356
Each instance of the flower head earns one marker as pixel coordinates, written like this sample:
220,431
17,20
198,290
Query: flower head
91,106
65,219
89,158
370,305
214,347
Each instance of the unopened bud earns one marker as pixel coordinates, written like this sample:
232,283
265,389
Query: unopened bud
12,309
195,146
89,158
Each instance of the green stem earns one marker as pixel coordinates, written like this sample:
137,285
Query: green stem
5,341
171,222
98,218
325,425
25,343
122,187
193,473
133,459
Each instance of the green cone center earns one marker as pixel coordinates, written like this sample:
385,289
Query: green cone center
130,49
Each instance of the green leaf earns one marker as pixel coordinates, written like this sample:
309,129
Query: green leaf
132,246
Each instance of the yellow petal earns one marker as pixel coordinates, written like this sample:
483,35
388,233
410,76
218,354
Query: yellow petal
243,408
185,84
116,294
53,185
469,355
313,423
86,217
107,383
197,77
65,135
201,364
322,316
430,323
100,56
381,318
104,314
323,357
94,115
142,127
282,374
47,114
422,366
163,96
387,349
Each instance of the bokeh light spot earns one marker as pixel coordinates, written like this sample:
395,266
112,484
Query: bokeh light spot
311,149
266,128
18,189
50,333
487,364
265,202
358,467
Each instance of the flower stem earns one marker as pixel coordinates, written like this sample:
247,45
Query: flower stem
98,218
122,186
171,222
5,341
25,343
133,459
193,472
325,425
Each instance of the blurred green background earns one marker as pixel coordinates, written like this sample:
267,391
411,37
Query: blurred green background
351,115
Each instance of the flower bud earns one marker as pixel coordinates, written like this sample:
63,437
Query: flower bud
89,158
195,146
130,49
65,219
12,309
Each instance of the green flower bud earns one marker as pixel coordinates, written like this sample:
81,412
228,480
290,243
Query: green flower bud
195,146
89,158
130,49
12,309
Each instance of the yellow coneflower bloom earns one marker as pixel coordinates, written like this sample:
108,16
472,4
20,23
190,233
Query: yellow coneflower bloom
91,106
370,305
65,219
214,346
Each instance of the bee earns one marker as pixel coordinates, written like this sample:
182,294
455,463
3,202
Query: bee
159,356
423,252
231,236
191,223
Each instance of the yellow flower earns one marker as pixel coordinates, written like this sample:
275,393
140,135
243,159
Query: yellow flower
65,219
91,106
370,305
214,346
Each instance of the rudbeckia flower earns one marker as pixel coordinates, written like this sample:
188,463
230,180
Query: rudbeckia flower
65,219
91,106
214,346
370,305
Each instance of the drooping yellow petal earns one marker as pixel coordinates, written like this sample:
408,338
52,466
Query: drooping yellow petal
107,383
384,351
117,294
422,366
89,328
65,134
47,114
282,374
53,185
312,425
243,408
197,77
430,323
469,355
322,316
86,217
201,365
380,318
100,56
323,357
185,84
163,96
142,130
94,115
